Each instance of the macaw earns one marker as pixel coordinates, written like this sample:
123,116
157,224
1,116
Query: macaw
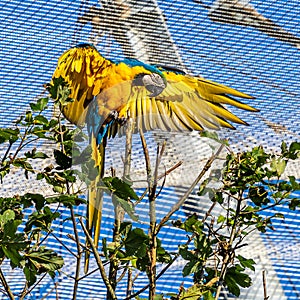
106,93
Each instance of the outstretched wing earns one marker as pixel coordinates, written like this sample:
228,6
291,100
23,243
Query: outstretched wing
187,103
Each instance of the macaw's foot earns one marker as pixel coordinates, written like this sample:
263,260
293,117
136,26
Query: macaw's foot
114,115
122,121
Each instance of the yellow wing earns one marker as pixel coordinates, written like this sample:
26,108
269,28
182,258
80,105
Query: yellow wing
187,103
84,69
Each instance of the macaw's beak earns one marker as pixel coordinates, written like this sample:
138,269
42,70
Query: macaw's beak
154,83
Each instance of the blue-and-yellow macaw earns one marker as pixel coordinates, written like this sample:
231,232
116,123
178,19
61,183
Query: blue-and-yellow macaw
107,92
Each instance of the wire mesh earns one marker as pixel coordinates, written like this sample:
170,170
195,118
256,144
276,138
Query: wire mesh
252,46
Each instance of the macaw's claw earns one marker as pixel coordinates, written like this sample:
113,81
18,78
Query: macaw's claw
122,121
114,116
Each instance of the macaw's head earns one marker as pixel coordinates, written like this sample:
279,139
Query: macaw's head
153,82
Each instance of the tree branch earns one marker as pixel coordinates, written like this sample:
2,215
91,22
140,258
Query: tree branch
177,205
99,262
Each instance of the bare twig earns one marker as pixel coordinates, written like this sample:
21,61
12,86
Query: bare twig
266,297
6,286
170,170
128,149
32,287
177,205
152,184
119,211
129,283
99,262
126,175
78,256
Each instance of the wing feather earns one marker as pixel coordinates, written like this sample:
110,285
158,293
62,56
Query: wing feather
187,103
84,69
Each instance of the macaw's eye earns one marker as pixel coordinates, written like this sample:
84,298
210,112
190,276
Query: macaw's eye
154,83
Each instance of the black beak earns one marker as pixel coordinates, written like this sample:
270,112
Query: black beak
154,90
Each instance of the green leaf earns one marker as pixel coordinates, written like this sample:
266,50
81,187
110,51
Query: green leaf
30,275
294,150
38,199
28,117
7,216
9,135
125,228
295,202
22,163
208,295
136,243
12,254
10,231
246,263
41,220
234,278
66,200
40,120
191,267
295,185
43,260
203,187
62,160
40,105
192,293
186,253
127,206
278,165
258,195
221,219
60,91
214,136
120,188
191,224
33,154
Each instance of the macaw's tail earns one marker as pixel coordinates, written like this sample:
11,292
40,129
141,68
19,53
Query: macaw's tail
95,197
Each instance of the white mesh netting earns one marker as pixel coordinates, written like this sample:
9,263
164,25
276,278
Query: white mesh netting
252,46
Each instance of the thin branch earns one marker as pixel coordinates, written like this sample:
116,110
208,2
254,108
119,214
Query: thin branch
266,297
6,286
129,283
78,256
202,4
26,292
152,185
159,177
73,238
98,261
177,205
6,153
128,149
170,170
88,274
